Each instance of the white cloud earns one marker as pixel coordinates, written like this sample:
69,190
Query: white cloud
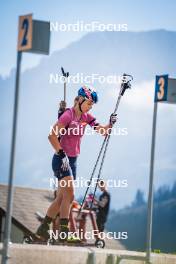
140,95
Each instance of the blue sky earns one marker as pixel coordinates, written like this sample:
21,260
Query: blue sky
138,14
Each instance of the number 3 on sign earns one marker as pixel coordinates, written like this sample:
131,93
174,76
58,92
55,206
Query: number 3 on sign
160,93
25,33
161,88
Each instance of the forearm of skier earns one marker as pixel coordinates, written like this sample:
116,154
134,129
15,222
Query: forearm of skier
53,137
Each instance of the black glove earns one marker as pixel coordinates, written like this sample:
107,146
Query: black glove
62,105
65,161
113,119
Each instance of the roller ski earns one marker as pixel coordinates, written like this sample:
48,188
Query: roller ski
76,242
40,237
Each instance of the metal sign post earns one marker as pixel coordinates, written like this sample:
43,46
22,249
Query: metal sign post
150,195
165,91
12,161
33,36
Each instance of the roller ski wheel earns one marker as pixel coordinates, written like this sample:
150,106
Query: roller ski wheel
27,240
100,243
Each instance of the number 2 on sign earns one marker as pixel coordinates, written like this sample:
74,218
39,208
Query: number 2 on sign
160,93
25,26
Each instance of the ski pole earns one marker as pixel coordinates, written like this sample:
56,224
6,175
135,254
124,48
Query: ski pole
92,174
62,105
65,74
125,85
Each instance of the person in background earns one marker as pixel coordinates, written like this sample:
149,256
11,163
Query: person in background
103,205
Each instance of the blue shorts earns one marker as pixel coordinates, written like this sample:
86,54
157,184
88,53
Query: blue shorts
59,172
